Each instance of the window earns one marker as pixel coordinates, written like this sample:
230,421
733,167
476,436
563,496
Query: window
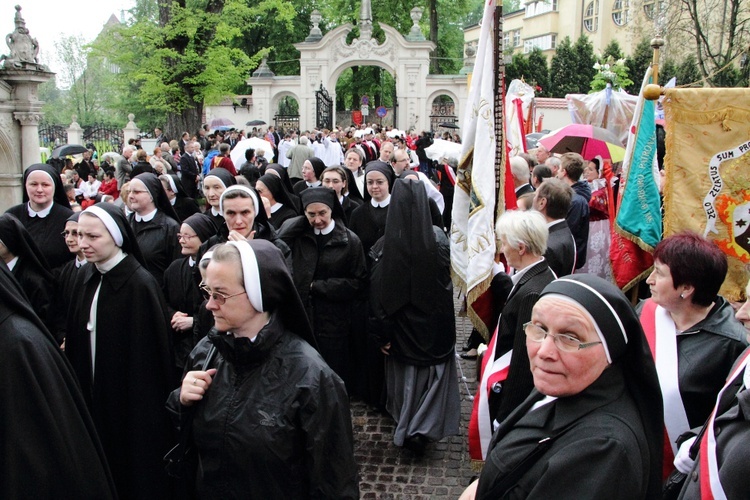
591,16
544,42
653,7
620,12
517,38
535,8
506,40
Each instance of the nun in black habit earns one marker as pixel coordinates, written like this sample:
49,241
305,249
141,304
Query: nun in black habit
25,260
43,213
155,224
368,220
214,184
286,183
181,282
311,174
282,207
118,344
593,425
183,205
66,278
413,321
48,444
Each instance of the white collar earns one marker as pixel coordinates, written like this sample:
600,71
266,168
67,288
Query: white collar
191,261
276,207
42,213
173,200
215,212
79,262
127,210
521,187
554,222
327,229
519,274
12,263
380,204
342,197
314,184
107,266
146,218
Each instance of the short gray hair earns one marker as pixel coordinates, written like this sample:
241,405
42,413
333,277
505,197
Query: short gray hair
527,227
519,168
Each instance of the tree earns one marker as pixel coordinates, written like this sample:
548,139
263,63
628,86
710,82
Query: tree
538,72
638,63
667,70
585,60
612,50
518,69
562,66
687,72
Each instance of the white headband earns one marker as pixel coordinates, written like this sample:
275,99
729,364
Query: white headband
250,273
238,187
108,222
217,178
172,185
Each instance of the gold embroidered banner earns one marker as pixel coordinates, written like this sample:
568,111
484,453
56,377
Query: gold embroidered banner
707,167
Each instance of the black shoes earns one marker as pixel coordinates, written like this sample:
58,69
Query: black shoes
416,444
470,354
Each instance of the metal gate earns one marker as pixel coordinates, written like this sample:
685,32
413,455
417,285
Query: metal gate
443,114
51,136
104,137
324,109
286,123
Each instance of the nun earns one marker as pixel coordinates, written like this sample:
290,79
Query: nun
282,209
413,321
66,278
181,289
281,173
335,178
592,427
118,343
183,206
330,274
50,447
214,184
25,260
44,211
312,169
368,220
270,419
155,224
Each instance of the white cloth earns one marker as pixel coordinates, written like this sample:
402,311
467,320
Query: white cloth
380,204
41,214
103,268
12,263
327,229
432,191
146,218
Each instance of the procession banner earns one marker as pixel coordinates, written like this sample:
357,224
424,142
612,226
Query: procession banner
637,228
707,168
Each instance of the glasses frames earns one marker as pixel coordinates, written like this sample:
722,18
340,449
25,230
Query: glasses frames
186,237
563,342
219,298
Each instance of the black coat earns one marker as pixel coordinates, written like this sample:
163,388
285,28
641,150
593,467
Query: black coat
348,205
182,294
133,372
516,312
47,232
142,167
602,452
185,207
561,249
578,219
157,240
275,422
65,281
282,215
38,289
368,223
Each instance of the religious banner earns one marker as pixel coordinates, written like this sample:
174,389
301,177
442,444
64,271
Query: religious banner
707,168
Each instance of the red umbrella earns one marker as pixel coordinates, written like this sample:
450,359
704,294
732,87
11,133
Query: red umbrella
588,140
219,123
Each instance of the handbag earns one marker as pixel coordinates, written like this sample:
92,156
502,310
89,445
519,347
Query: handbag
182,455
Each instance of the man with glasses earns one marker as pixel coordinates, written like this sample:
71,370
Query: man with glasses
400,162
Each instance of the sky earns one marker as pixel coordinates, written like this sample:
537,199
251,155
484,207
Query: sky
49,20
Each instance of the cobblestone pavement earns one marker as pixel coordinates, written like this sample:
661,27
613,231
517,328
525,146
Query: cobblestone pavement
389,472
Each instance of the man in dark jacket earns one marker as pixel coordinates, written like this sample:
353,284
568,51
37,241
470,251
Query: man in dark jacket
190,169
570,171
552,199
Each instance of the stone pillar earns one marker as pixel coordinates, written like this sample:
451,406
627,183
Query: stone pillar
130,131
75,132
29,137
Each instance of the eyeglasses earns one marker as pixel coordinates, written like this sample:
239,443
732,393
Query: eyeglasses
186,237
65,234
219,298
563,342
138,191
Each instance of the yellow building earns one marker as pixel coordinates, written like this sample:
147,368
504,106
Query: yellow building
545,23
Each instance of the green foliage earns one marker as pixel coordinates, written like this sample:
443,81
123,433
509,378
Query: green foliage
538,72
638,63
610,72
667,70
687,72
562,66
518,69
372,81
585,60
612,50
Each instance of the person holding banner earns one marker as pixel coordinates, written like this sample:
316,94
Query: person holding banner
692,333
723,452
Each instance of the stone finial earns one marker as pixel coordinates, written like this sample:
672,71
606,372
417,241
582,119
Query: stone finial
469,58
315,33
24,50
415,34
365,20
263,70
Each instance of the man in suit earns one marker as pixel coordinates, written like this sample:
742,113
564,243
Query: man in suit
190,170
552,199
571,168
520,171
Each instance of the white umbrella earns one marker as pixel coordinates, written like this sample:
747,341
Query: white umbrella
443,149
394,133
238,153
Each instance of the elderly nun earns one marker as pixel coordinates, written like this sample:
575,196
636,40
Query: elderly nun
270,419
592,427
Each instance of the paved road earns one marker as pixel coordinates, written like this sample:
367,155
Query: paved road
389,472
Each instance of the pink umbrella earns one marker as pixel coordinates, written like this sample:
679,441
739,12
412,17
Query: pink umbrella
587,140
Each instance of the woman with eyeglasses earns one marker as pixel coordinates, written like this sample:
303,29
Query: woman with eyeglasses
270,419
66,277
181,285
592,426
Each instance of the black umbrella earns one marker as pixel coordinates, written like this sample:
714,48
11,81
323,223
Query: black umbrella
255,123
68,149
449,125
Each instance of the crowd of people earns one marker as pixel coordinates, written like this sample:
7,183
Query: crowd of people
235,310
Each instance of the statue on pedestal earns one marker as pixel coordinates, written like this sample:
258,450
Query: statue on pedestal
24,50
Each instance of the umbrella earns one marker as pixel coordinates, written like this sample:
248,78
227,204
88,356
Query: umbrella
220,124
67,149
449,125
587,140
255,123
238,153
443,149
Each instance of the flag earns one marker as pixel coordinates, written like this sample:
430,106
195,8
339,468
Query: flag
481,178
707,185
637,228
